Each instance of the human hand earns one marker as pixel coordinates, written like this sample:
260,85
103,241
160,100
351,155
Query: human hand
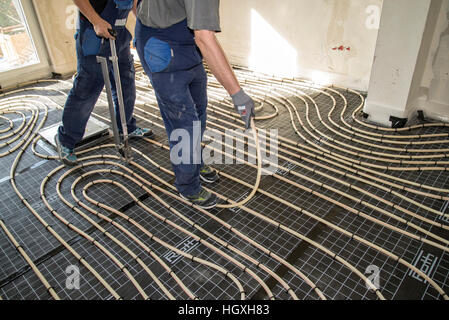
102,28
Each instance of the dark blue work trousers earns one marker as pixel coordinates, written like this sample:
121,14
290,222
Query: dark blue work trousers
182,100
86,90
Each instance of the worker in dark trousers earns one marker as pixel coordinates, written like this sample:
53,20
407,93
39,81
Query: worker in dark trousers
92,40
172,37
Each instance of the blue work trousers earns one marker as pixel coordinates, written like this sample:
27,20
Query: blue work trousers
86,90
182,100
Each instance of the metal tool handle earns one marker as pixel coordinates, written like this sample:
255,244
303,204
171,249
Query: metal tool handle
123,147
107,82
113,32
118,85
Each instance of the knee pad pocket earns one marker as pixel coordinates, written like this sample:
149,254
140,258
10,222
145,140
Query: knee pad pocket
90,43
124,4
158,55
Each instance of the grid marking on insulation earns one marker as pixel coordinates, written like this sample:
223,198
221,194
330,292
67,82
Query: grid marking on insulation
333,278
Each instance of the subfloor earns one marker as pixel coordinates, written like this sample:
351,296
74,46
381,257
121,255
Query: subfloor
352,211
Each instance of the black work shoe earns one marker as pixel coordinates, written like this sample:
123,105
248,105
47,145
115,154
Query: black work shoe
204,199
209,175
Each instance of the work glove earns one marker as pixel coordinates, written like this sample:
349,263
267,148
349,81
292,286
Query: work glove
244,106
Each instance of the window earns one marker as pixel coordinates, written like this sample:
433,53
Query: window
22,54
16,45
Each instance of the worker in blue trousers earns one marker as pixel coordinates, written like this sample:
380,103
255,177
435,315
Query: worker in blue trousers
96,18
172,38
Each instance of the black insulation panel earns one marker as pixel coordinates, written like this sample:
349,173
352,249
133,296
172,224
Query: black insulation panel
335,280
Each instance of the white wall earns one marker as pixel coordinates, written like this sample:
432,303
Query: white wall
285,37
395,68
57,23
57,20
431,91
298,37
411,68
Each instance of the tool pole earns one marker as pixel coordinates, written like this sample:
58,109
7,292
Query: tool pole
122,147
121,104
107,82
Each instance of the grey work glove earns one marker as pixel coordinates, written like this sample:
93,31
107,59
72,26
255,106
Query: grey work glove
244,105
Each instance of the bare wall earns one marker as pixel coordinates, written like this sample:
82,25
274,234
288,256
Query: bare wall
57,22
431,91
330,41
57,19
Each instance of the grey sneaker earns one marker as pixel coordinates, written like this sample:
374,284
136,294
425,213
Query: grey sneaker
66,155
204,199
209,175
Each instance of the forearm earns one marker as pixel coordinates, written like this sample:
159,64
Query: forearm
101,26
88,11
135,8
216,59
